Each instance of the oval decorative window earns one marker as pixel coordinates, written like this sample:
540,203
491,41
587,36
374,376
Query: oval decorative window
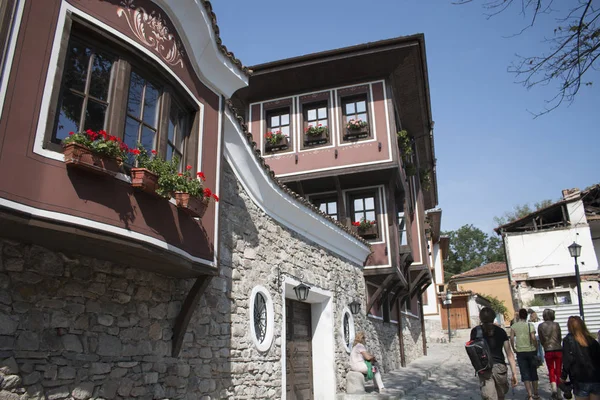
347,329
261,318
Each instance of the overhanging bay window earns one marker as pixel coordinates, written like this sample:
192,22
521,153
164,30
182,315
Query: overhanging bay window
105,87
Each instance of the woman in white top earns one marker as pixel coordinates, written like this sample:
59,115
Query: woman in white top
359,355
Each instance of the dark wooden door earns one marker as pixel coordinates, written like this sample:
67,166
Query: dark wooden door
459,315
299,377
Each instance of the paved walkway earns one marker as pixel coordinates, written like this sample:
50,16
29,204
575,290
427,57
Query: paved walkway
446,373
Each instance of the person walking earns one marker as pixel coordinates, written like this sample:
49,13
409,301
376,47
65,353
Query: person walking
523,342
533,318
550,338
364,362
581,361
494,383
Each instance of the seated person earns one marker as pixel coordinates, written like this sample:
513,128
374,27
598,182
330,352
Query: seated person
361,360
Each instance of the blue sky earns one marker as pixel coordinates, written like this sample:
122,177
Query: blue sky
492,154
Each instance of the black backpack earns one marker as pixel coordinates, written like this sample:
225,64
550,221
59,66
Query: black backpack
479,352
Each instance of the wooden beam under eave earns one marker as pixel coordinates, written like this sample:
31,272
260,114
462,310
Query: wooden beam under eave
379,291
340,200
186,312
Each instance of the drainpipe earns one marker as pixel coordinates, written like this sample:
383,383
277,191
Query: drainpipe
400,335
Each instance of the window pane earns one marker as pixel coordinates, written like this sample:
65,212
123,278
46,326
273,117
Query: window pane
358,204
322,112
370,203
350,109
322,122
358,216
131,135
323,207
181,132
148,138
370,215
76,67
275,121
312,115
150,105
332,208
94,116
169,153
100,76
361,106
285,130
171,130
362,117
70,112
334,216
285,119
136,87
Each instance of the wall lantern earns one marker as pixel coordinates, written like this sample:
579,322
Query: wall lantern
302,291
449,296
575,250
354,307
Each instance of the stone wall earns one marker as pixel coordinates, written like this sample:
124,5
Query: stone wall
77,327
257,250
413,338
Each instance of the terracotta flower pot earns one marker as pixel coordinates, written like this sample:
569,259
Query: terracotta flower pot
81,157
144,180
357,133
194,206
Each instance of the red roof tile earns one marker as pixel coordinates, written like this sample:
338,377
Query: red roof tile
497,267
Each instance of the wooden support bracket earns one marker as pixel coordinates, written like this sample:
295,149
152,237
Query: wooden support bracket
186,312
378,292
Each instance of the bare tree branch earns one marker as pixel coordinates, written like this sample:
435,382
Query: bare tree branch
574,47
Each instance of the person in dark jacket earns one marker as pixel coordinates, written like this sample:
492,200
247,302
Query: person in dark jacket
581,361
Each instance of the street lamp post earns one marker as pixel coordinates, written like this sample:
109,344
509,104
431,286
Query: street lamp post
575,251
448,302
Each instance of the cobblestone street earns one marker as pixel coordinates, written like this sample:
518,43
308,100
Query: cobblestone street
449,375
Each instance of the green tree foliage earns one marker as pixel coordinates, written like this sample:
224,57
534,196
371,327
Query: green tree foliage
568,56
470,248
497,305
519,211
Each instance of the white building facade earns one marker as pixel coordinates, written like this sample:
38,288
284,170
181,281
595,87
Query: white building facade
541,269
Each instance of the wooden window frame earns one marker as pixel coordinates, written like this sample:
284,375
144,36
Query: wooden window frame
8,10
353,98
128,60
315,105
317,201
278,111
363,194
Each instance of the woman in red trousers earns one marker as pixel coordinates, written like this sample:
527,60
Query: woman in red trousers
550,337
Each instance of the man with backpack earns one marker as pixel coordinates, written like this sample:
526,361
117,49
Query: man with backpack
485,352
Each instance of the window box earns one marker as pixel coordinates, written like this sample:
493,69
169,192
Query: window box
194,206
280,145
144,180
368,233
315,140
80,157
353,134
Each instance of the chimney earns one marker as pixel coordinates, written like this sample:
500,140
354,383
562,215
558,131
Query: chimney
570,193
